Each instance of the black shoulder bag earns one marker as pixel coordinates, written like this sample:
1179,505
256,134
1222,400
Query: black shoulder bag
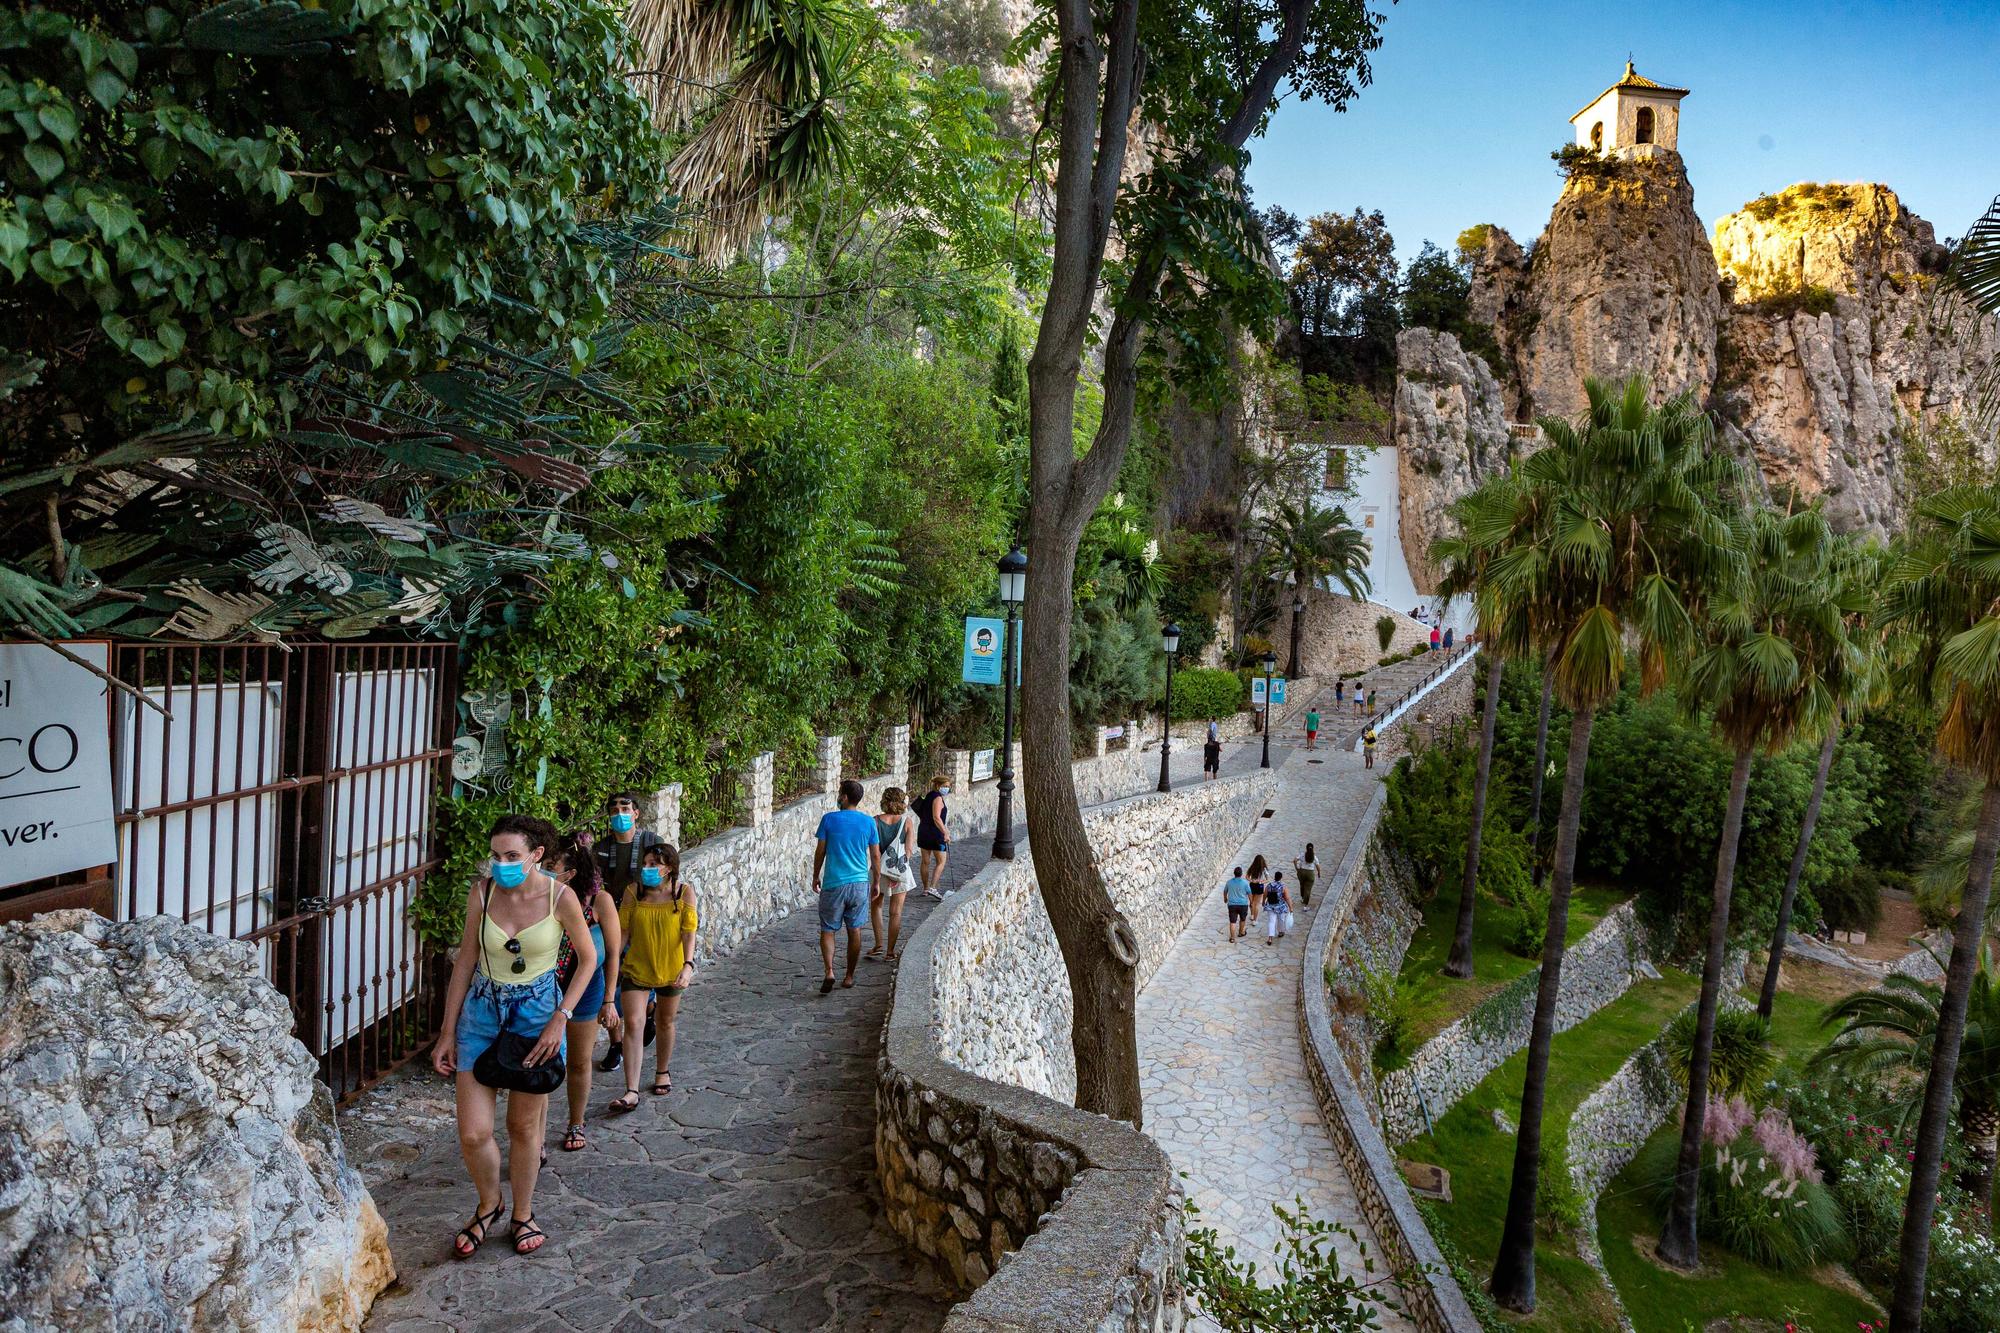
503,1065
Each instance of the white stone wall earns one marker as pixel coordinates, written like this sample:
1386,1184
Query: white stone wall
1000,992
1596,970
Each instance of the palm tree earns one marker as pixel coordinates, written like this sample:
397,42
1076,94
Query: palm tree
1862,571
1772,643
1484,528
755,82
1311,544
1891,1032
1945,589
1617,530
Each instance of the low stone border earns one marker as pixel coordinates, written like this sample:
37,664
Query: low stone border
1052,1219
1596,970
1431,1296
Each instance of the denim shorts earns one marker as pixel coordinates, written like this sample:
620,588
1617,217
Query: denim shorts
495,1006
843,905
592,1002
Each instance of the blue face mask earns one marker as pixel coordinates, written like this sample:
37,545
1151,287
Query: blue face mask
510,874
621,823
652,876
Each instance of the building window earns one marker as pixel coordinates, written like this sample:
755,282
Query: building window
1597,137
1336,469
1645,124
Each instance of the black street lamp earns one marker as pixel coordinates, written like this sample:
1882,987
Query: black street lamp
1270,660
1170,644
1013,590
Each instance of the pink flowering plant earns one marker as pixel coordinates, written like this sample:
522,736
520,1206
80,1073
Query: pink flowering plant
1762,1194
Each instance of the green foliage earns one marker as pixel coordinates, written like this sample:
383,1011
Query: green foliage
1752,1206
1577,159
198,200
1783,299
1742,1056
1310,1294
1391,1012
1657,785
1854,901
1558,1206
1385,631
1203,692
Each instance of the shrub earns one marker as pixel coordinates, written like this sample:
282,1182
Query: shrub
1558,1206
1742,1056
1390,1010
1203,692
1854,900
1311,1294
1385,630
1937,904
1576,159
1762,1195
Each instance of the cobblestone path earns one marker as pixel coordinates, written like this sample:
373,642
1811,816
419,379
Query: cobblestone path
743,1200
1224,1081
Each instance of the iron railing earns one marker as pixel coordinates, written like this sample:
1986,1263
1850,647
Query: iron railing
286,798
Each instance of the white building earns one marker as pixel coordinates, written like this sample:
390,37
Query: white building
1375,505
1633,118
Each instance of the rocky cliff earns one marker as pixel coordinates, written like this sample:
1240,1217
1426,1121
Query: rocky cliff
1840,370
1809,324
1450,434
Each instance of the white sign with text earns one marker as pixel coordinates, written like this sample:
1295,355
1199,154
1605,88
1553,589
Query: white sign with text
55,763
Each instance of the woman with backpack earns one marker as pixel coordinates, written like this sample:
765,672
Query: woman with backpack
933,835
505,1020
897,829
1277,909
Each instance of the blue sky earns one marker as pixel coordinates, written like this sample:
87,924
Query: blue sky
1470,96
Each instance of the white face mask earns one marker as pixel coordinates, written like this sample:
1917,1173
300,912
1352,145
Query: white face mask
944,790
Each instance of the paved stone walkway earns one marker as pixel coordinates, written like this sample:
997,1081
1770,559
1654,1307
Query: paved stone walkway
1224,1081
746,1199
743,1200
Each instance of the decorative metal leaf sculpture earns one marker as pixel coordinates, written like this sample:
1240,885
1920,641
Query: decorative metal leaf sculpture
294,556
26,600
347,509
211,615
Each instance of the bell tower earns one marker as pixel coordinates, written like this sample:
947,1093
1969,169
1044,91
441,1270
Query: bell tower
1633,118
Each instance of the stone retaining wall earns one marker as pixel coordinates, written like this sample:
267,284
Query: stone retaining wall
1431,1295
979,1160
750,876
1596,970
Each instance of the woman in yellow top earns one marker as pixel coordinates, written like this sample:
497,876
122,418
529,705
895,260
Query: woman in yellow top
658,919
515,918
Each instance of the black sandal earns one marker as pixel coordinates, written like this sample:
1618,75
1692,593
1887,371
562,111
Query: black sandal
524,1229
574,1141
467,1242
625,1101
663,1085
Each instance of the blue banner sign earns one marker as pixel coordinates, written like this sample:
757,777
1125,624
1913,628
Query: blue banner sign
985,641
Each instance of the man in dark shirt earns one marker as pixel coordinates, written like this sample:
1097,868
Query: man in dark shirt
618,853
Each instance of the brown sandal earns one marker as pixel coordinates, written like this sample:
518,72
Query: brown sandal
627,1100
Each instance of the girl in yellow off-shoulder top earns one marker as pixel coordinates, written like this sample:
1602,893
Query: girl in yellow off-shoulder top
658,918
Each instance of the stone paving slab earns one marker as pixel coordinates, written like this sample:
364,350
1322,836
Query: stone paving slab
1224,1081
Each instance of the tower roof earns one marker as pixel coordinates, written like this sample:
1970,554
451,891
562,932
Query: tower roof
1637,82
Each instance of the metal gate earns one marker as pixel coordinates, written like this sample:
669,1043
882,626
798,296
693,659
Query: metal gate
286,798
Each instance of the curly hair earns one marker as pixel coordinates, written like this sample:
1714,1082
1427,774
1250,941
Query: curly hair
539,834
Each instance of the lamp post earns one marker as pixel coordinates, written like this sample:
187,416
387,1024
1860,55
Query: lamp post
1170,644
1270,714
1013,590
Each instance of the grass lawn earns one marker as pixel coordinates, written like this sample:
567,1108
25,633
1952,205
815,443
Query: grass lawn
1628,1218
1480,1156
1437,1000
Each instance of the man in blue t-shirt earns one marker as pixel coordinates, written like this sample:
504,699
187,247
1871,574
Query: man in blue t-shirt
847,862
1236,897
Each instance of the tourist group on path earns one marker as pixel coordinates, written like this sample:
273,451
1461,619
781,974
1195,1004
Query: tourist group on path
568,933
1263,894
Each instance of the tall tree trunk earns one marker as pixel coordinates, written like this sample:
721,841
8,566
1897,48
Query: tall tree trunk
1679,1243
1298,628
1769,995
1979,1125
1906,1307
1514,1270
1460,963
1541,761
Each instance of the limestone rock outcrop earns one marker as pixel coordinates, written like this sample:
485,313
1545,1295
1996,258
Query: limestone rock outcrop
1450,435
1840,371
1622,282
167,1157
1810,325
